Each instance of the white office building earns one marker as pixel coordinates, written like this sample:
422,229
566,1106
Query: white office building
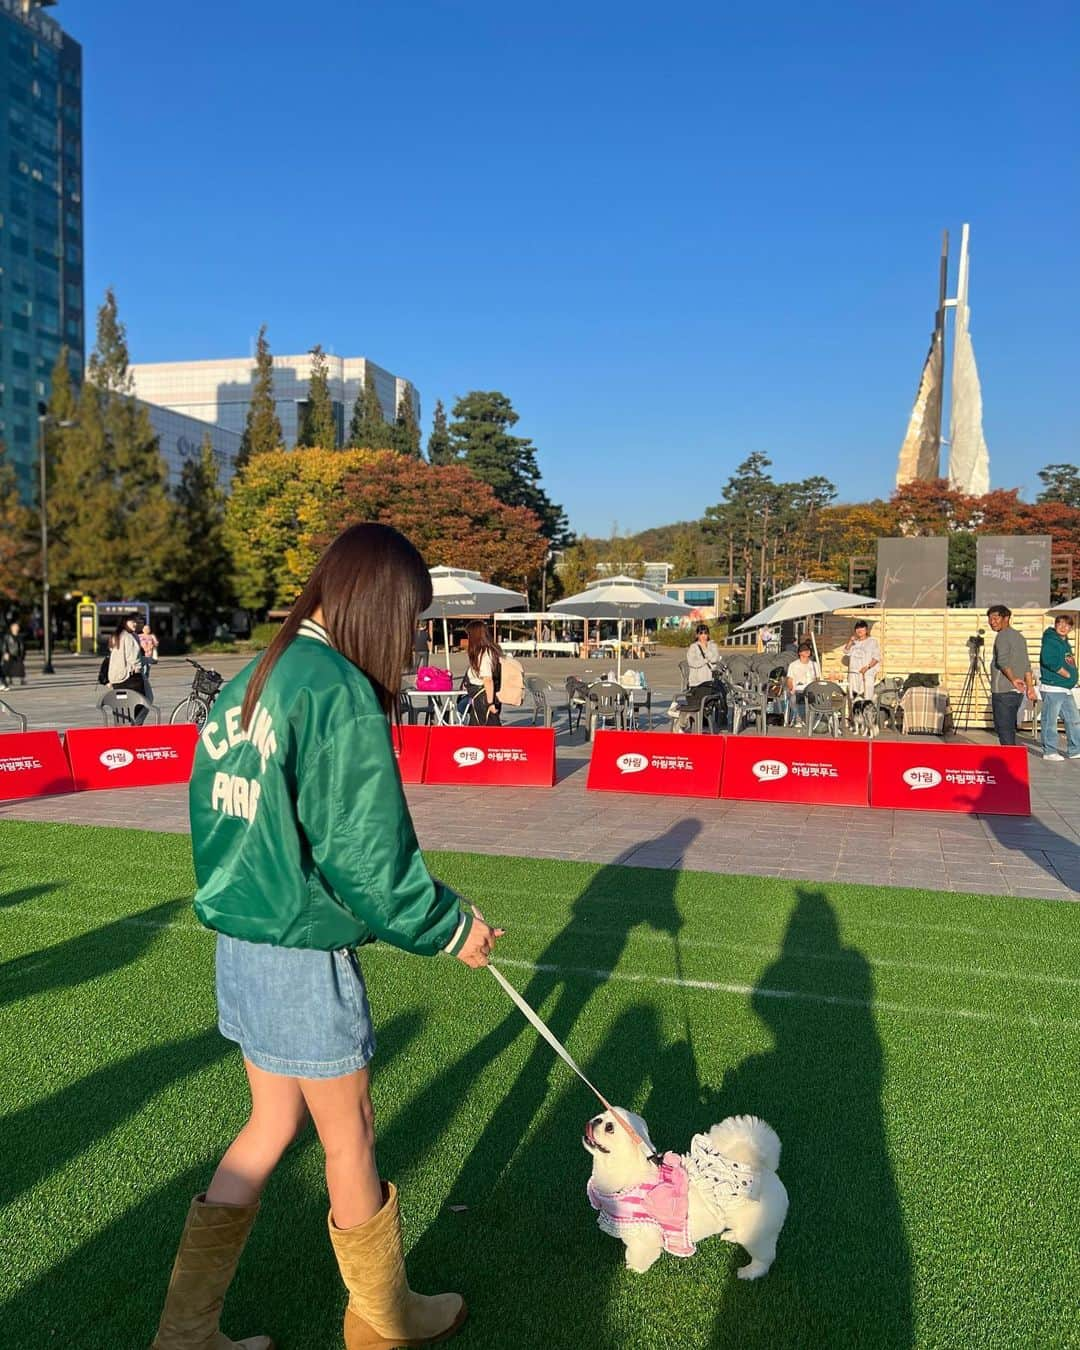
180,438
219,392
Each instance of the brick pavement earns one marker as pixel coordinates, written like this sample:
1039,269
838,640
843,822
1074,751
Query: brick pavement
1037,856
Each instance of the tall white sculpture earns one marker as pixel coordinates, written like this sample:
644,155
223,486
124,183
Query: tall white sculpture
920,453
969,459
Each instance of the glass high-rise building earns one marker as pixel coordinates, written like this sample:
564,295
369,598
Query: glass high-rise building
41,220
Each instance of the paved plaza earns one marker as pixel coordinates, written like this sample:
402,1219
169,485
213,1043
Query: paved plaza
1038,856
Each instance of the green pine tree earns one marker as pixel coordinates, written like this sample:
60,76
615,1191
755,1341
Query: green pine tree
369,429
202,584
110,504
407,427
480,436
262,430
438,446
318,427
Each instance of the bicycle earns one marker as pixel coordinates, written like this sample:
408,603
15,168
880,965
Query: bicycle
205,688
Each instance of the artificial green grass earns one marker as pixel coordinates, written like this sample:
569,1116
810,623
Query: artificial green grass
916,1052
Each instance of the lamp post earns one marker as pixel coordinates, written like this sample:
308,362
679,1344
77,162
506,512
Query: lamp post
46,620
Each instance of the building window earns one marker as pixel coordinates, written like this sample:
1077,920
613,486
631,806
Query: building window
699,597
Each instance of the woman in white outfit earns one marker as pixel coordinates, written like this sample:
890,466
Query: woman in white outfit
864,661
126,660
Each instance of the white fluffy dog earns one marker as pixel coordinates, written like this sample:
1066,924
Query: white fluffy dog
725,1186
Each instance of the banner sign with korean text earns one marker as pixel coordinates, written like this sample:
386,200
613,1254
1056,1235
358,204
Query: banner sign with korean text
491,756
410,750
796,769
658,763
920,776
115,757
33,764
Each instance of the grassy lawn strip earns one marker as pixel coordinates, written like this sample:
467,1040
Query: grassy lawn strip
916,1051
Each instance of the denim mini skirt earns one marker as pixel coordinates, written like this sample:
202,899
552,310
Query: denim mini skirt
294,1011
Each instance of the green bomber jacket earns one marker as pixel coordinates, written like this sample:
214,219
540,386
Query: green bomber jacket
299,827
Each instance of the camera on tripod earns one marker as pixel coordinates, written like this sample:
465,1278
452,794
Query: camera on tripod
976,642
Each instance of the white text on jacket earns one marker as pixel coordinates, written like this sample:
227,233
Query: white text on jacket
232,793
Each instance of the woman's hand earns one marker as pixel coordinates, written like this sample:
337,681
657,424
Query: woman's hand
480,943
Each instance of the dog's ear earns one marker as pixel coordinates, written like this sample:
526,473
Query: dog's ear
638,1125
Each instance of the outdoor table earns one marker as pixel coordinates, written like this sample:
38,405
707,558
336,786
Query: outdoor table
441,705
554,648
523,648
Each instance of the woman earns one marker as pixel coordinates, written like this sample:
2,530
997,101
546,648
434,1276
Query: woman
304,850
863,654
1057,680
702,657
148,644
12,657
126,661
482,676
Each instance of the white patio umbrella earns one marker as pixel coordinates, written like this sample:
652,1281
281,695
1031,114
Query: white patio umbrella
805,599
458,593
1066,607
620,598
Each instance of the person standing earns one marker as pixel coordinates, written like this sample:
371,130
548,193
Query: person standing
702,657
1010,673
12,656
126,661
1057,680
421,648
482,676
864,661
304,852
148,644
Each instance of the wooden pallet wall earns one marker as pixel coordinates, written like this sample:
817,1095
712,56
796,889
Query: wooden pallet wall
929,640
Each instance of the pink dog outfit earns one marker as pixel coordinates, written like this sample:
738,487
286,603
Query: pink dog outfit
663,1203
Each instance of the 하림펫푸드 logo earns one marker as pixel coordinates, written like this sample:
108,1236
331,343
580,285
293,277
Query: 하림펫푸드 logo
116,759
921,777
769,770
468,756
632,763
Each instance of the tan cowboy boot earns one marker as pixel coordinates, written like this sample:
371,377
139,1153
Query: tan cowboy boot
383,1312
213,1238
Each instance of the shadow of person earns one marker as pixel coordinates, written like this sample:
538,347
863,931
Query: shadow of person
843,1269
1058,856
602,918
104,1289
87,956
23,893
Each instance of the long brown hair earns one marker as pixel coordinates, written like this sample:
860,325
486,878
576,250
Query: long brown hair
479,643
371,584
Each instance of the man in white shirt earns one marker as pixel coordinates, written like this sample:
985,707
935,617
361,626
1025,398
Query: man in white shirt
864,661
803,670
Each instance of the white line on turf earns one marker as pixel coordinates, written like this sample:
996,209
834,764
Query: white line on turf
627,976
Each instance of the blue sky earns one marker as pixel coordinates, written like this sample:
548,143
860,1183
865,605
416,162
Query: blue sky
671,234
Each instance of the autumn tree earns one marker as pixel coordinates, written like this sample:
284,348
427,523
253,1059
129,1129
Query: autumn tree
578,566
20,543
262,430
286,507
684,555
317,424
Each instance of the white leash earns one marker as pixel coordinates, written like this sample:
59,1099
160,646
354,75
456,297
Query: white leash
561,1050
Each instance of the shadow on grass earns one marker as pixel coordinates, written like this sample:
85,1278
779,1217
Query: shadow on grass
88,956
528,1222
843,1269
42,1138
24,893
106,1290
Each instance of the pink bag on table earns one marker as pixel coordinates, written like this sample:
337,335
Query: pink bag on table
434,680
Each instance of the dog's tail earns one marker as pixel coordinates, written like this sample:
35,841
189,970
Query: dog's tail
746,1139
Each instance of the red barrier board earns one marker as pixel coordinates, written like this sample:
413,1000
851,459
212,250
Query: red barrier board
659,763
919,776
33,764
410,750
797,769
492,756
147,756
